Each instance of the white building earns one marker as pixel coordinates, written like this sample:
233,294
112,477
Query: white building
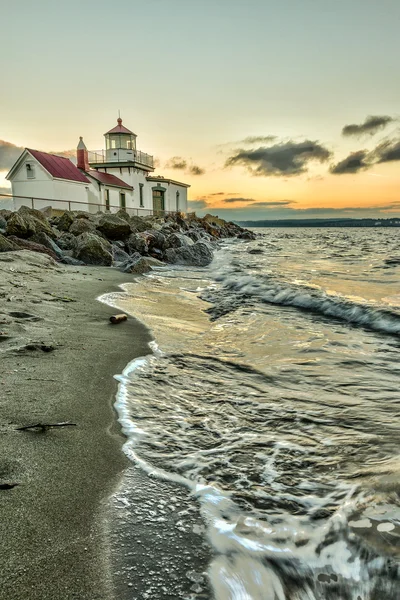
119,177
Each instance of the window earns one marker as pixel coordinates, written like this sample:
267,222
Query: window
177,201
30,171
107,197
122,200
141,186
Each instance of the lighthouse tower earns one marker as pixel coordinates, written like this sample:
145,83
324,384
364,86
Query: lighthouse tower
120,144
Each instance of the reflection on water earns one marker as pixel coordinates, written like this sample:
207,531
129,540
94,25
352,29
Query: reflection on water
275,400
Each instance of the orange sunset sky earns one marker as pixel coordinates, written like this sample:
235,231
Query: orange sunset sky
269,110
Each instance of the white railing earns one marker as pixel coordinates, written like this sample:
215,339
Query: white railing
120,155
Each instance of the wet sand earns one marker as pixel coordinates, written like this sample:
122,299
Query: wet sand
52,527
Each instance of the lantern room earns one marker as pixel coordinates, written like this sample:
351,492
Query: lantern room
120,144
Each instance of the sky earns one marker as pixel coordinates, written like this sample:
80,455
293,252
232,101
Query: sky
267,109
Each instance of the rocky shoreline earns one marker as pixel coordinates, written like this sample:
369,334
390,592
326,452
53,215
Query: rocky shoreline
130,243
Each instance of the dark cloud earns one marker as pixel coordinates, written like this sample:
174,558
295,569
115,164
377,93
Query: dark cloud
258,139
181,164
371,125
197,204
196,170
218,194
8,154
353,163
281,160
176,162
273,204
387,151
232,200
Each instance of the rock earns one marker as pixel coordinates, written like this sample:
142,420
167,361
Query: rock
68,260
197,255
195,234
28,245
65,221
138,266
47,212
139,224
256,251
44,240
136,242
6,245
67,241
154,239
93,250
6,214
113,227
246,235
119,255
122,214
82,225
26,222
3,224
178,240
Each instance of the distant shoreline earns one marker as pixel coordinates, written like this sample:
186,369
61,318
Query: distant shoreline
393,222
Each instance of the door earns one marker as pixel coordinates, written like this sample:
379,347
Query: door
158,202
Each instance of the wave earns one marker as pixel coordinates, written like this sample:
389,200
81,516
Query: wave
239,288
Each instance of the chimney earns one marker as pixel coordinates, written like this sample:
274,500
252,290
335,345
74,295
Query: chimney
82,156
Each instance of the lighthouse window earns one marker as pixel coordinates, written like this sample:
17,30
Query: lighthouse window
141,185
30,171
122,200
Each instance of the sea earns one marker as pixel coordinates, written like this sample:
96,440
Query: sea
270,399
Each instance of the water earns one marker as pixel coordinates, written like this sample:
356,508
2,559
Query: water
272,394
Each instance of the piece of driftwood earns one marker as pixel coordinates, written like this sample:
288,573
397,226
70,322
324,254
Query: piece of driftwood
7,486
45,426
118,318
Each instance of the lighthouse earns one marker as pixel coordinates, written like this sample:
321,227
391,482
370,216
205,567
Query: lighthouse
120,144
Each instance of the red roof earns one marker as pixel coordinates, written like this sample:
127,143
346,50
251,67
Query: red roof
120,128
59,166
108,179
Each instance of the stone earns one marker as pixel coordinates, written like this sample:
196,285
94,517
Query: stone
93,250
197,255
26,222
136,242
139,224
138,266
28,245
178,240
6,245
44,240
246,235
69,260
119,255
122,214
113,227
65,221
67,241
256,251
3,224
82,225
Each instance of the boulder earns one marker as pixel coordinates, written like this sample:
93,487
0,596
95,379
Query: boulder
177,240
122,214
65,221
69,260
3,224
138,265
93,250
113,227
136,242
28,245
81,225
44,240
119,255
26,222
67,241
139,224
198,254
6,245
246,235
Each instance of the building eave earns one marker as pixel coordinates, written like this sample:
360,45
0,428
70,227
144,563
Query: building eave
120,165
166,180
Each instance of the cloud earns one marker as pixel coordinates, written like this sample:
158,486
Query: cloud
258,139
272,204
353,163
371,125
387,151
181,164
218,194
196,170
197,204
232,200
280,160
9,153
176,162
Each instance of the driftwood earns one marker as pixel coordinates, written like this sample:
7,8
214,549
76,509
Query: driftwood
45,426
7,486
118,318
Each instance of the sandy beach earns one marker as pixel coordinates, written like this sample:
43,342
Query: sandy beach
58,357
